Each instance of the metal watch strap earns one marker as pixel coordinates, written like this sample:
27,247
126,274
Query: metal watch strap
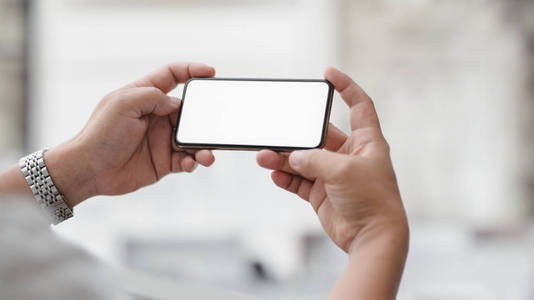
44,191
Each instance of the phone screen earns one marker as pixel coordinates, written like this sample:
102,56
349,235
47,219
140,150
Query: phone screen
254,113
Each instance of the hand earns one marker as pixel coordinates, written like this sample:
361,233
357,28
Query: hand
126,144
351,186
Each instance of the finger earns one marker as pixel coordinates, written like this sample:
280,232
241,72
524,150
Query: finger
335,138
279,161
293,183
173,117
363,112
168,77
317,163
176,161
190,151
159,143
317,194
172,121
188,164
274,161
182,162
138,102
205,157
351,93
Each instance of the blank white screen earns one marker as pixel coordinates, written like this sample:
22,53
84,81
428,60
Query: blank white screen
254,113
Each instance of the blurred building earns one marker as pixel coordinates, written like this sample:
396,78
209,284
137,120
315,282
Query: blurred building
12,76
452,82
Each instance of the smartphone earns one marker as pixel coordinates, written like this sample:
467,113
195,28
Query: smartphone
253,114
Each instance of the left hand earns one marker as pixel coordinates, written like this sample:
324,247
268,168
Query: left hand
126,144
351,185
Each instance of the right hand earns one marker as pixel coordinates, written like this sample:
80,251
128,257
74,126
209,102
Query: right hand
126,144
351,186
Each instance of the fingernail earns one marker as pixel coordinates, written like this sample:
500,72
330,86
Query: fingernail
295,159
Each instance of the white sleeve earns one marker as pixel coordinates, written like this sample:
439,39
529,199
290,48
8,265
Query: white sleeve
37,264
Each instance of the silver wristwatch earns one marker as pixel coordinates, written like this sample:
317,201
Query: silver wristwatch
34,169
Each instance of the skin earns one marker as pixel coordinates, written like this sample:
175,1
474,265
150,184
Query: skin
126,145
352,187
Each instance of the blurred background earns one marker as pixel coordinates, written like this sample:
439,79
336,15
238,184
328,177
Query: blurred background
453,83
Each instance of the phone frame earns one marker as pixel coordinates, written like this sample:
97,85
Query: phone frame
253,147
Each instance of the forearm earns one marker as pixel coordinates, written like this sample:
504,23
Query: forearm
12,182
375,266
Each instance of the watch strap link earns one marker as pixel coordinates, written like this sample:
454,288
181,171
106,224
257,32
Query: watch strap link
44,191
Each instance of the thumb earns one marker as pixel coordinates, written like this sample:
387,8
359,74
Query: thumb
317,163
147,100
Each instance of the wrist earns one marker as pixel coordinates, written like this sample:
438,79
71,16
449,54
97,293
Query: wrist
71,172
376,261
383,234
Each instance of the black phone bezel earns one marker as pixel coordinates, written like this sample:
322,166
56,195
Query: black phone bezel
253,147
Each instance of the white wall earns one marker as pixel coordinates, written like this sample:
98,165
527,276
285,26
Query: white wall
447,78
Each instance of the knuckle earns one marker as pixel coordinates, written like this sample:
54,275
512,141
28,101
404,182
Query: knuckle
152,92
171,65
120,94
369,106
120,99
371,101
376,134
115,98
387,147
362,110
106,100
